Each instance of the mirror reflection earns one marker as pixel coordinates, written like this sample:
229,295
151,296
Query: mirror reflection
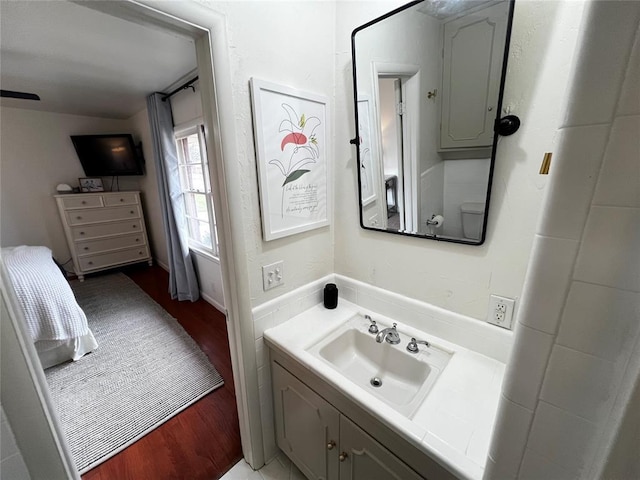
427,79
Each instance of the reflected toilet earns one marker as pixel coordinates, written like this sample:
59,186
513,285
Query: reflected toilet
472,219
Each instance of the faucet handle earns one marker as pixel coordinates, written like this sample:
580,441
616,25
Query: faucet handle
395,325
413,345
373,328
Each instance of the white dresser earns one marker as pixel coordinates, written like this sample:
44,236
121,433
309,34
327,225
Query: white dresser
104,230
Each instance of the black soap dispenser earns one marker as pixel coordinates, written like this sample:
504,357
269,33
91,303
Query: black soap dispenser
330,296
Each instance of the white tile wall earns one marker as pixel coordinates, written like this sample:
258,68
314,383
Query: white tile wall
561,437
574,174
12,466
587,305
603,57
533,349
609,254
547,282
619,180
579,382
582,296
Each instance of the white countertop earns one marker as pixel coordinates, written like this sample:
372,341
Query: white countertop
454,423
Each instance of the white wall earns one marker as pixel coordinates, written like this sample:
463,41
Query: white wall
290,43
37,154
568,389
12,464
459,277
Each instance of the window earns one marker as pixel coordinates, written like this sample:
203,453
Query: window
196,189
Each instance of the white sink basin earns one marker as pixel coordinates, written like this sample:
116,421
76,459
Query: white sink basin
397,377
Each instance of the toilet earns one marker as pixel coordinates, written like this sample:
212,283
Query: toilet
472,219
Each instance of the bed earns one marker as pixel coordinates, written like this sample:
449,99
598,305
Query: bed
55,321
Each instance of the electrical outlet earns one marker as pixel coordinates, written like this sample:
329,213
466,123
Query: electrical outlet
501,311
272,275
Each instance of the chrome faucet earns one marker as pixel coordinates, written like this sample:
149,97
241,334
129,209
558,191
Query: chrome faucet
413,345
389,334
373,328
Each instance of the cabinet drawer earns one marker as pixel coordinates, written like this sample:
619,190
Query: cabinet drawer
92,262
101,230
78,217
82,201
122,198
112,243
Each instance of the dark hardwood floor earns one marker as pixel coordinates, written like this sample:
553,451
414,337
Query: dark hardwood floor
203,441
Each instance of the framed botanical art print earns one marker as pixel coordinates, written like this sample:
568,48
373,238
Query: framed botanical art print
291,130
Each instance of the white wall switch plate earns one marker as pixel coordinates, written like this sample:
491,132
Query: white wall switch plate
501,311
272,275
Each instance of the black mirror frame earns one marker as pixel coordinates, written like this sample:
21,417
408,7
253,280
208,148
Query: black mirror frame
496,134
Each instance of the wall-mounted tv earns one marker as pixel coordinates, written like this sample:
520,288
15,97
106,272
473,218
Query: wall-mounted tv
108,155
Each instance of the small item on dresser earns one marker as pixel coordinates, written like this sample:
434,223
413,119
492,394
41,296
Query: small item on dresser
64,188
330,295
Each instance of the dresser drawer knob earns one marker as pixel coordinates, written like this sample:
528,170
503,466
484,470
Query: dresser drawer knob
132,212
86,248
122,199
134,226
81,233
90,263
139,253
137,239
79,217
84,202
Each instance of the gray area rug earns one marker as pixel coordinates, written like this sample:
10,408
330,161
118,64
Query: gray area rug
146,370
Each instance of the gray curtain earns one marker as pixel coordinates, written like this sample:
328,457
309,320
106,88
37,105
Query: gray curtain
183,283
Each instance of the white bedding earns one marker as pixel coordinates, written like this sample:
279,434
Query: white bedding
54,319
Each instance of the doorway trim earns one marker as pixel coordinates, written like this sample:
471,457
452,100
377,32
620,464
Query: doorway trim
208,29
410,77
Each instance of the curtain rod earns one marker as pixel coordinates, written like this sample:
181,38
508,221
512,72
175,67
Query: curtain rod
184,86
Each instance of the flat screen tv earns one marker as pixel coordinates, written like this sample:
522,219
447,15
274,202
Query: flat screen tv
108,155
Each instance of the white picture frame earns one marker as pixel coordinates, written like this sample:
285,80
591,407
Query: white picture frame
292,136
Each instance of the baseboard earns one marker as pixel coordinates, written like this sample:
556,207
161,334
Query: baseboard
213,303
162,265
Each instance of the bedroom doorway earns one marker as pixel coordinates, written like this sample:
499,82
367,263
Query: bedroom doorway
207,29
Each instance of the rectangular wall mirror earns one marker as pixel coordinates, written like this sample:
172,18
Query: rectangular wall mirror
428,80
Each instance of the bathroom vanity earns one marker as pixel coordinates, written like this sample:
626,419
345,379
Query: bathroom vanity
349,407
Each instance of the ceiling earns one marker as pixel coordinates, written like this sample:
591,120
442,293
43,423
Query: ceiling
85,62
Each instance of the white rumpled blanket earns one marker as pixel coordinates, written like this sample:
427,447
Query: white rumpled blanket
48,303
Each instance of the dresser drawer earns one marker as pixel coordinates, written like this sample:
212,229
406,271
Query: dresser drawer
101,230
101,260
111,243
93,215
122,198
82,201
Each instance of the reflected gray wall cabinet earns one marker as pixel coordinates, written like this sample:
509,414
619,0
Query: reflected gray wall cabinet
428,82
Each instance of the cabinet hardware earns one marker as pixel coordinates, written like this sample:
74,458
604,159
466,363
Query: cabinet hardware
90,263
546,163
330,445
79,217
122,199
84,202
132,212
81,233
343,456
86,248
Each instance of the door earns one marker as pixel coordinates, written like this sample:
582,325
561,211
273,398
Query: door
363,458
307,427
472,63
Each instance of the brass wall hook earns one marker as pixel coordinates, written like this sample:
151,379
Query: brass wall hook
432,94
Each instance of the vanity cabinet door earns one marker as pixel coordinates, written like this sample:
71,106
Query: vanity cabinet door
363,458
307,427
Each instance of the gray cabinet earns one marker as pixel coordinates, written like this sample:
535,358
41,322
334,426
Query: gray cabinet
472,65
323,443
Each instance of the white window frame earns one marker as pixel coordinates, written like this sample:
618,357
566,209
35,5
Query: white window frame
181,132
